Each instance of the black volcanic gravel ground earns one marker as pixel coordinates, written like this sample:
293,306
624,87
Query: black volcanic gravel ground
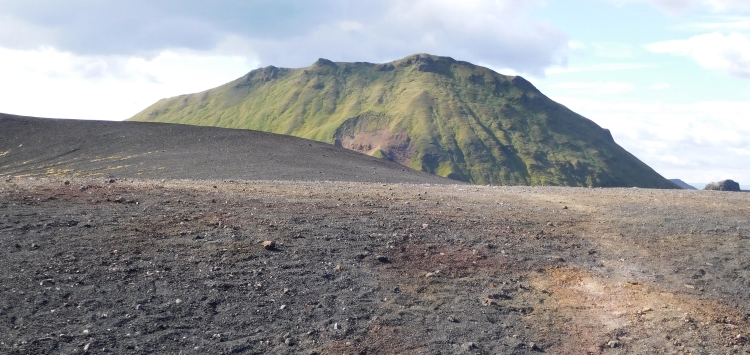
151,266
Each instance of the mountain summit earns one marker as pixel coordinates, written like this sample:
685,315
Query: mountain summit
430,113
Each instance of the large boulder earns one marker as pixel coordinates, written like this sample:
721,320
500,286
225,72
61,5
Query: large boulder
725,185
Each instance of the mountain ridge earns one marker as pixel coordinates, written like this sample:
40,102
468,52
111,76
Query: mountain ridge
431,113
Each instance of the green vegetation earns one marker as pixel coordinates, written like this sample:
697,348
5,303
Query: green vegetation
431,113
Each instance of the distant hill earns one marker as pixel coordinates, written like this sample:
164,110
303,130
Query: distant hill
433,114
42,147
682,184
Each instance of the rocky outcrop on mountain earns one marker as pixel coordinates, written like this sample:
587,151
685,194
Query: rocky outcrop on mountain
724,185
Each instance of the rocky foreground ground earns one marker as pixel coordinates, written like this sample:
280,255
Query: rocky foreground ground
179,267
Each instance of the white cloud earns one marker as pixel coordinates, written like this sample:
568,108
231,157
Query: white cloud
730,53
727,24
596,68
702,141
612,87
680,6
52,83
293,33
613,50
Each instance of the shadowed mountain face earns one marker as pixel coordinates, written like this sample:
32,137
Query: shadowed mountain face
47,147
430,113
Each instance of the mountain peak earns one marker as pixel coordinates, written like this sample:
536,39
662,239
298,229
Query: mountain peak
428,112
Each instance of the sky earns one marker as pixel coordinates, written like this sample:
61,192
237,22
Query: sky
669,78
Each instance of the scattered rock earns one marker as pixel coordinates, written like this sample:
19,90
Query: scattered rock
534,347
269,245
336,326
289,342
470,346
425,225
565,207
383,259
111,181
724,185
452,319
614,343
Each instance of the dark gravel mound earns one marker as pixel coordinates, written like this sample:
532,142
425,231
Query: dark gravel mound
52,147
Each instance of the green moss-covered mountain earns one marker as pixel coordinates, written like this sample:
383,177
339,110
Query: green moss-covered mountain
430,113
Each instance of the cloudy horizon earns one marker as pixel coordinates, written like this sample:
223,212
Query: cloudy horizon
668,78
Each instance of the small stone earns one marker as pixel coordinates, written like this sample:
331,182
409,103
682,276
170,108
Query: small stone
689,286
269,245
425,225
282,307
470,346
557,258
534,347
178,301
614,343
396,290
550,224
565,207
336,326
382,259
289,341
452,319
86,347
111,181
67,182
646,309
85,331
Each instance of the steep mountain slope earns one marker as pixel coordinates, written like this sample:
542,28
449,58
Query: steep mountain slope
430,113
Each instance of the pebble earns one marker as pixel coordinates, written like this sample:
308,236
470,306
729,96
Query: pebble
336,326
289,341
382,258
452,319
269,245
282,307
